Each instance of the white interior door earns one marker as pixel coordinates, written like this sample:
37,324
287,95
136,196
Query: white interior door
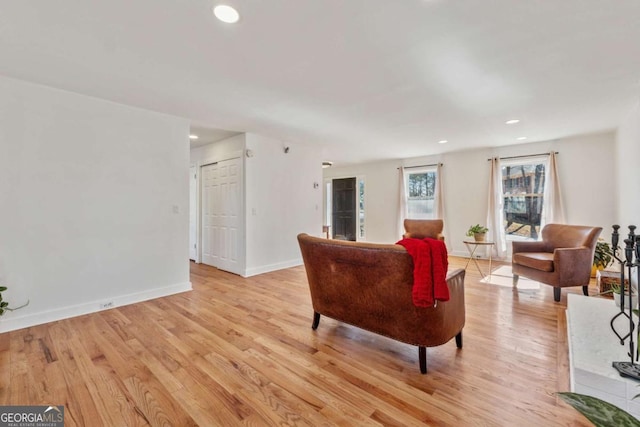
210,192
221,185
193,217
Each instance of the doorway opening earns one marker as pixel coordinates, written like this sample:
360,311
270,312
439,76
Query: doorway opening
221,215
344,208
343,214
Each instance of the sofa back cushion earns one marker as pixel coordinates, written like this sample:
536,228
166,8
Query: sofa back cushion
569,236
421,228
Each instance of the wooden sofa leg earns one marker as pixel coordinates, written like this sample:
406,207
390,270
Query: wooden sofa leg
316,320
459,340
422,356
585,290
556,294
515,280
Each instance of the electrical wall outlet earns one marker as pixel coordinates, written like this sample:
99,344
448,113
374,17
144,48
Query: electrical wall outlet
105,305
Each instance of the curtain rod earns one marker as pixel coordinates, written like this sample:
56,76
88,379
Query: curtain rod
422,166
524,155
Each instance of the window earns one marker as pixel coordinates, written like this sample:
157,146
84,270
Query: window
523,189
420,186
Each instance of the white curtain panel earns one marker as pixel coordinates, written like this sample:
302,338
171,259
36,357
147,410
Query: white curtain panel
439,194
552,207
402,203
495,209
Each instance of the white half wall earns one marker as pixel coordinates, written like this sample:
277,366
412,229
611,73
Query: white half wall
586,168
281,201
95,203
628,171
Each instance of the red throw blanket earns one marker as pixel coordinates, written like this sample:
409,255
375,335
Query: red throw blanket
430,264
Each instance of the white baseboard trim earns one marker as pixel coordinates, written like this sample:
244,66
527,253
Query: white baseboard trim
461,254
465,254
10,323
272,267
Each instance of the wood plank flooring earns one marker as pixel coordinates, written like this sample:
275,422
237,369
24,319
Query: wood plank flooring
238,351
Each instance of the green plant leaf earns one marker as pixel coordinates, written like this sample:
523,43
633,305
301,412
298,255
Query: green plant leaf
476,229
603,255
599,412
3,288
4,304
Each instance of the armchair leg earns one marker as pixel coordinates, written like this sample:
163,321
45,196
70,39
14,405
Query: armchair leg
422,356
316,320
585,290
459,340
515,280
556,294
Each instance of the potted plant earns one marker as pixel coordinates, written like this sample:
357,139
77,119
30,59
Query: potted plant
602,256
478,232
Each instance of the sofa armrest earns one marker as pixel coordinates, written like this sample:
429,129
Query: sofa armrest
573,263
528,246
455,282
453,311
572,255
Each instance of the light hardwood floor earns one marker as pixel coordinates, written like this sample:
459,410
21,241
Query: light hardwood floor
238,351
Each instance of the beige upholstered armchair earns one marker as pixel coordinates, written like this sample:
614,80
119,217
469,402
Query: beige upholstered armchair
421,228
563,257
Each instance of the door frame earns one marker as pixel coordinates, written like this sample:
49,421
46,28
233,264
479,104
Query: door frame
243,220
193,204
326,215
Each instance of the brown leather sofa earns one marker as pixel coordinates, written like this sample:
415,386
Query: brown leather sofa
421,228
369,285
563,257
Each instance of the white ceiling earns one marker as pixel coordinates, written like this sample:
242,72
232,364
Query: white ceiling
365,79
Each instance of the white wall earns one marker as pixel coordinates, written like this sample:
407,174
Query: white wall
94,199
628,170
380,197
221,150
586,169
585,163
281,201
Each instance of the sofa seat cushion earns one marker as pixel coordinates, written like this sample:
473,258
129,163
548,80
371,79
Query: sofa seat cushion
542,261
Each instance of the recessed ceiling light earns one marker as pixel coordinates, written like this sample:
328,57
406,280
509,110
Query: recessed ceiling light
521,138
442,141
512,122
193,136
226,13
